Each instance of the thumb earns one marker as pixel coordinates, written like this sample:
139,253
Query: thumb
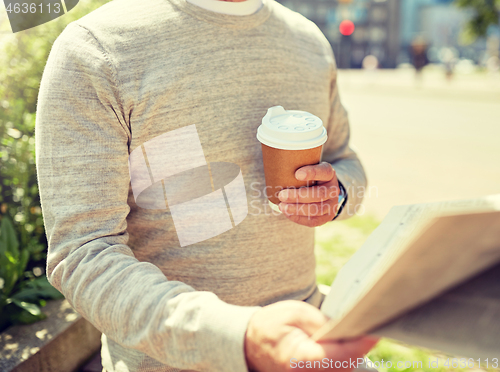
349,349
310,320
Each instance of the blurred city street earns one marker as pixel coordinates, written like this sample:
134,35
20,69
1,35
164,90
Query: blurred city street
422,142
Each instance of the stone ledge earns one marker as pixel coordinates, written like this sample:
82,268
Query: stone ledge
60,343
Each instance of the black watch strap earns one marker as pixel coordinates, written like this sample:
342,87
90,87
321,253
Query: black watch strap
344,201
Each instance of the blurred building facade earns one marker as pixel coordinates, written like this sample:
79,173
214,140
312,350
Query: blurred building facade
377,28
386,28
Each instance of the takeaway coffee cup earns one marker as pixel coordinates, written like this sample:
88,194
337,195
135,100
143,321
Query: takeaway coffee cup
290,139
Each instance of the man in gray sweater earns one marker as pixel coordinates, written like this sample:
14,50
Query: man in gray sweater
132,71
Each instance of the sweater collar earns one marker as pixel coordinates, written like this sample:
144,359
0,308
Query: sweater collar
226,20
241,8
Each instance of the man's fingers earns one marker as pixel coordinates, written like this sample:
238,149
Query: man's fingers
313,194
311,318
309,221
310,209
351,349
320,172
335,355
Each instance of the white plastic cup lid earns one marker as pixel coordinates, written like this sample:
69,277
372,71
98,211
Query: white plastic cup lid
291,129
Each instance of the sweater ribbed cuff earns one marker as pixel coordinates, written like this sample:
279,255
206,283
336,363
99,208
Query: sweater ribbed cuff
227,325
349,185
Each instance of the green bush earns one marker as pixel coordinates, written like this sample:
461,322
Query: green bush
21,293
22,59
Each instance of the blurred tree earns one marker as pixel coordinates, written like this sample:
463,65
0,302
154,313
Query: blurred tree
22,59
486,13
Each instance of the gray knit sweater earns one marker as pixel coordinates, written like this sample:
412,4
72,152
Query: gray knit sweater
127,73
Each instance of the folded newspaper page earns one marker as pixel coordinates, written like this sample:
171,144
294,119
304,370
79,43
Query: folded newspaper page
417,254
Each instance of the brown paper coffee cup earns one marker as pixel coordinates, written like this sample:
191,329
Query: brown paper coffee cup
290,140
280,166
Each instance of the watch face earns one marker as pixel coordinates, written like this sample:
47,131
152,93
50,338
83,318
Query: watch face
341,197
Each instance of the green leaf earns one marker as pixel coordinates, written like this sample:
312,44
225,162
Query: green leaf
8,271
10,277
8,237
29,307
27,294
3,248
11,258
37,289
46,289
4,262
25,317
23,262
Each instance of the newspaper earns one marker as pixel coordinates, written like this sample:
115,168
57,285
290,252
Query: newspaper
418,253
463,321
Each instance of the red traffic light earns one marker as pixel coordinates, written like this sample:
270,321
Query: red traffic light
346,27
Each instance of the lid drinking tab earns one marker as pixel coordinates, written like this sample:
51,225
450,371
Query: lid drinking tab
291,129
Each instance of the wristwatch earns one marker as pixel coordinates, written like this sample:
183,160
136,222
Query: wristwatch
342,200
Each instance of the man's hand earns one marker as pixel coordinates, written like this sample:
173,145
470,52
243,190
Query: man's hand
316,205
278,335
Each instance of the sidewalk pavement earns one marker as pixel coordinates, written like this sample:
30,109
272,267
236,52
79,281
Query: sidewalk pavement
437,140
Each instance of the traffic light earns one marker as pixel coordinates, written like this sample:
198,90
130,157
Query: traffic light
346,27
